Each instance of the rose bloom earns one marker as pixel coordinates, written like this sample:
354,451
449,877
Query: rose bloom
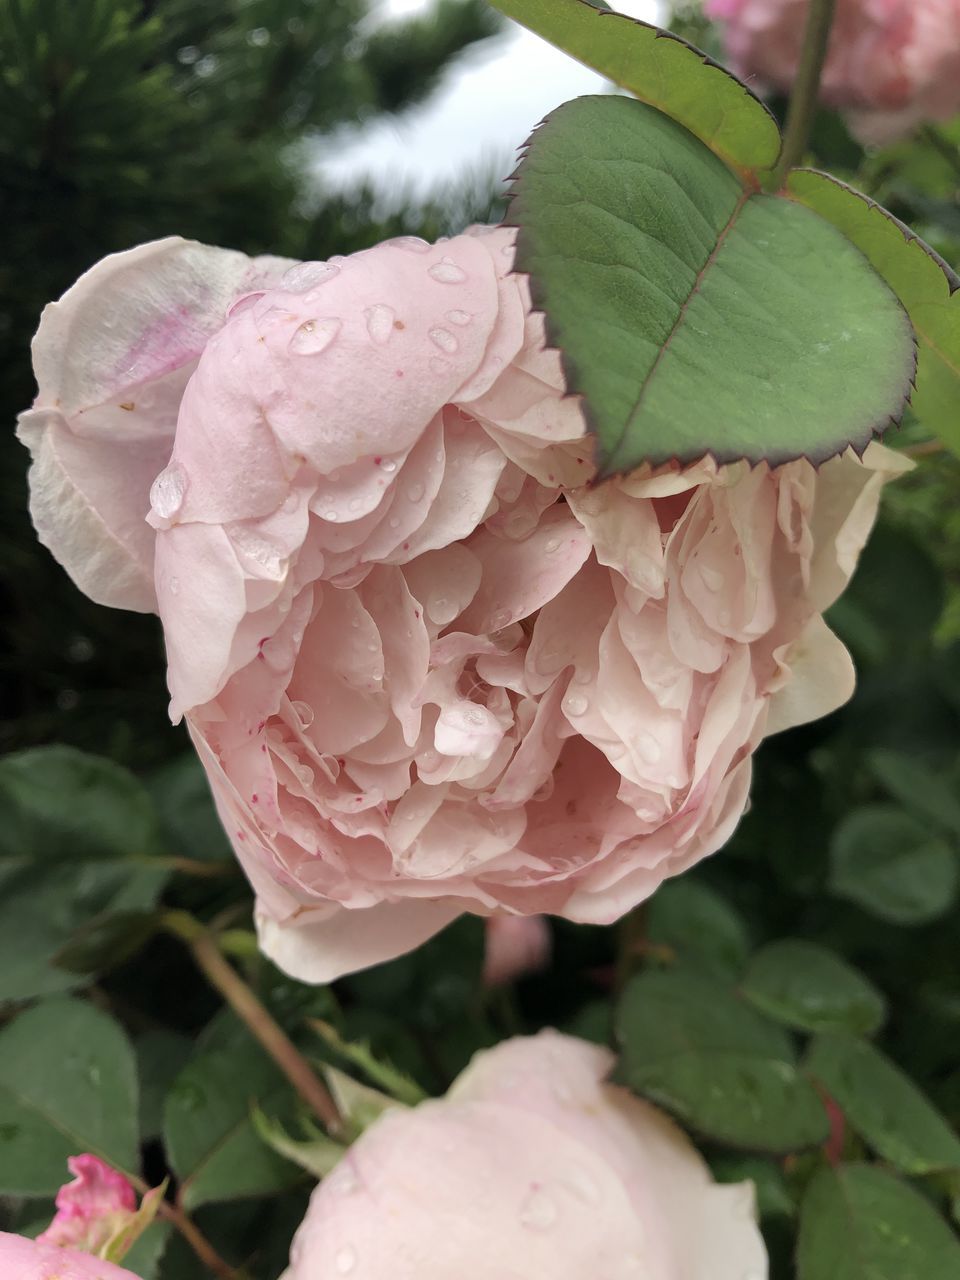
22,1259
892,63
531,1168
427,668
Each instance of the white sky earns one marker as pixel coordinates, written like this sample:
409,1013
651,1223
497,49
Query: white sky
484,110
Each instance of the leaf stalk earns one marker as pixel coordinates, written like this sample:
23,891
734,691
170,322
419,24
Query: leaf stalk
806,87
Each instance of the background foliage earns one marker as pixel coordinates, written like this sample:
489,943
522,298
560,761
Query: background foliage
814,959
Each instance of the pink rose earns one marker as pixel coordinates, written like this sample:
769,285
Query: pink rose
22,1259
427,669
892,63
92,1208
530,1169
515,946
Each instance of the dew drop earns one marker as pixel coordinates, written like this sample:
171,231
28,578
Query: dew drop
307,275
412,244
445,340
168,491
447,272
394,522
539,1211
415,492
713,580
442,609
519,524
583,1187
648,748
499,619
389,466
291,502
552,544
304,713
575,704
380,319
314,336
331,515
461,318
355,504
346,1260
305,774
174,586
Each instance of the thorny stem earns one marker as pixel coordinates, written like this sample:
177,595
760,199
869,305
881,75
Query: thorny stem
806,87
258,1019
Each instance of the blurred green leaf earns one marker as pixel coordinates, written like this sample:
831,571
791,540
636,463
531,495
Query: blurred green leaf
145,1256
883,1105
692,1046
208,1129
161,1056
107,941
68,1085
918,788
808,987
892,865
317,1154
62,804
699,927
772,1192
860,1223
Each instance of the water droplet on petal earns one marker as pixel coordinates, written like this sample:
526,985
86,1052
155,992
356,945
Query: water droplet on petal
346,1260
648,748
314,336
380,319
413,244
445,340
168,491
174,586
539,1211
713,580
307,275
583,1187
389,465
552,544
442,609
394,522
575,704
415,492
462,318
291,502
331,515
499,619
447,272
304,713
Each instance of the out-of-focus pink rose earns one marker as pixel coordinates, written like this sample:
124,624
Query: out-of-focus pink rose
530,1169
891,63
22,1259
427,669
515,946
92,1208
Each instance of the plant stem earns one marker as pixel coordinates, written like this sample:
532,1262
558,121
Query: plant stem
194,1237
257,1018
806,87
925,449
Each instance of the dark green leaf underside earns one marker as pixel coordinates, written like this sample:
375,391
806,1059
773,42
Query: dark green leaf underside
925,285
695,317
660,69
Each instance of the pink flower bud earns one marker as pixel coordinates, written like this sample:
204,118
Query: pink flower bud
515,946
92,1208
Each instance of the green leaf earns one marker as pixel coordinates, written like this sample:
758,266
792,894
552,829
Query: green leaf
860,1223
891,865
67,1085
809,987
924,283
106,941
691,1045
696,316
161,1056
772,1192
699,926
662,70
917,788
208,1130
883,1105
42,907
62,804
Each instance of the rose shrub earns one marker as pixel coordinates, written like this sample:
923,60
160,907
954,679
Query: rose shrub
531,1168
427,667
891,63
22,1259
